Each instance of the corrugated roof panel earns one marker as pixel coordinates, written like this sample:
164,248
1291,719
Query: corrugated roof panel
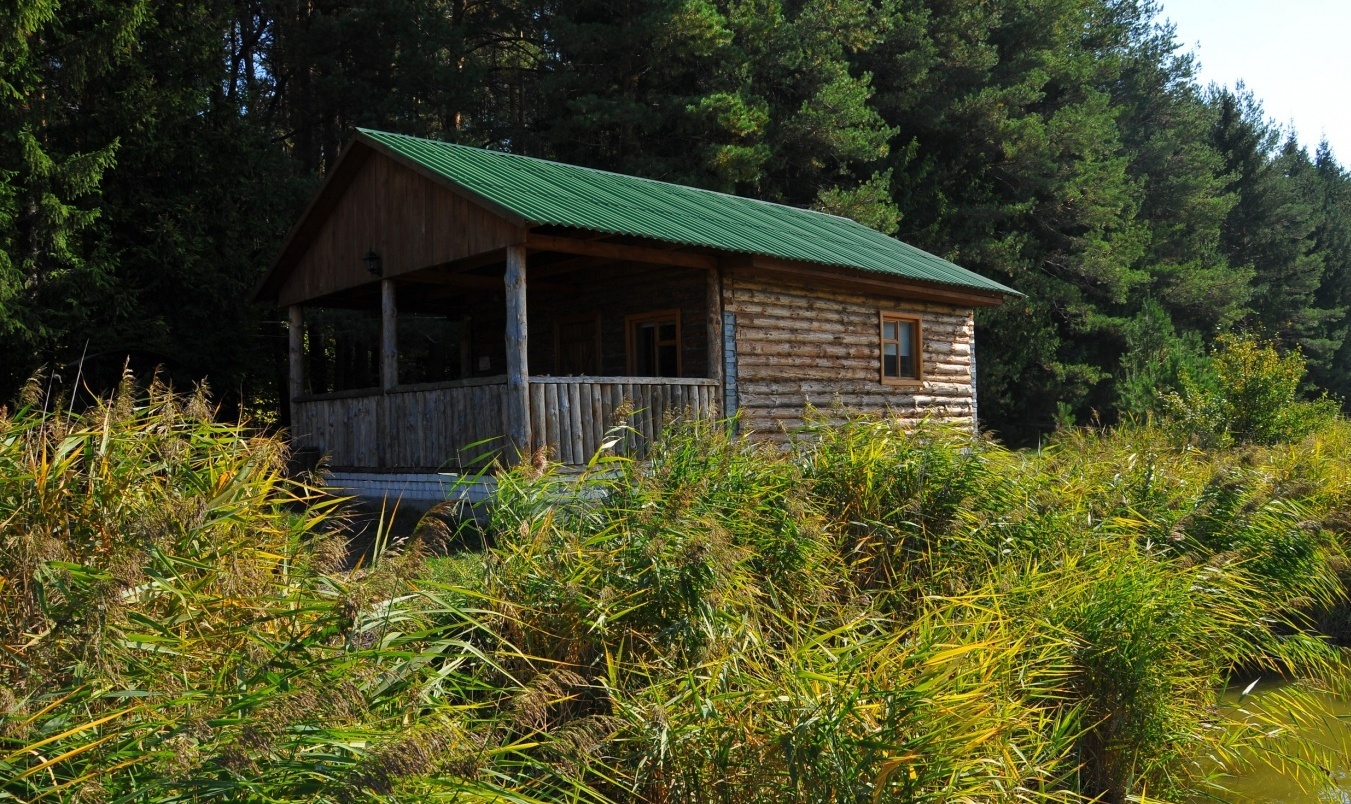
551,193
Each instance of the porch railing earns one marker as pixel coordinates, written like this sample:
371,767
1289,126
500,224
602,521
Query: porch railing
570,416
429,426
459,424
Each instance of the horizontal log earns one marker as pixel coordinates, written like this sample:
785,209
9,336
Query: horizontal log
405,389
826,390
775,286
834,310
843,355
862,324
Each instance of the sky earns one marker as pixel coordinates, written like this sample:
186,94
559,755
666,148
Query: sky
1293,54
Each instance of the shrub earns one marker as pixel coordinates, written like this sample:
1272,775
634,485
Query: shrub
1248,395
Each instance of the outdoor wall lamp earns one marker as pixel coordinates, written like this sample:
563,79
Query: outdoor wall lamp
372,262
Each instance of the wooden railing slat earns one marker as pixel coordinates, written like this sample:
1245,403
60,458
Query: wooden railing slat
431,426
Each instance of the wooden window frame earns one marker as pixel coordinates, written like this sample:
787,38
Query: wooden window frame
656,316
883,317
559,323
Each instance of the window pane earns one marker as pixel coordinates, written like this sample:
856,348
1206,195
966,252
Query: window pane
668,331
907,340
666,361
908,367
889,362
645,350
889,330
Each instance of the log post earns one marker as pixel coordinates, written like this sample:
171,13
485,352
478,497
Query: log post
518,370
389,336
713,322
975,414
296,355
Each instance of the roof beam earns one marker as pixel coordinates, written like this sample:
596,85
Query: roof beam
463,280
618,251
568,266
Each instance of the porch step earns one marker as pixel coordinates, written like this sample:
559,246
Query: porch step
419,490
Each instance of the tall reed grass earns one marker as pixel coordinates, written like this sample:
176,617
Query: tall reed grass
877,614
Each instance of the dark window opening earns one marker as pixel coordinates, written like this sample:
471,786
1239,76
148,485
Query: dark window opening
654,344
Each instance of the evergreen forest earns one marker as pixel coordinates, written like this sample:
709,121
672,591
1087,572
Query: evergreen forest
153,156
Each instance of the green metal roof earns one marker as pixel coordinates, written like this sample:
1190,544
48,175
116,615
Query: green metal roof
551,193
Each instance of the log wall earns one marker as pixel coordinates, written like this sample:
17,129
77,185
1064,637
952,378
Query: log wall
798,345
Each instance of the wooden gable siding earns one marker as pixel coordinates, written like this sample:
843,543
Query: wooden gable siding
798,345
408,219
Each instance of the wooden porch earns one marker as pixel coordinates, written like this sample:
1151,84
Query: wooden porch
462,424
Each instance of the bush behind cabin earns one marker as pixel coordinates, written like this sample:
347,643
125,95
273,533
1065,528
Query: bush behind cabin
880,614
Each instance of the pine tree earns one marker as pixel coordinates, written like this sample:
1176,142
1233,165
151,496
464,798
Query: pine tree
1270,225
1008,159
751,96
1329,358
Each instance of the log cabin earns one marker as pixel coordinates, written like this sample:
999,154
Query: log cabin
448,303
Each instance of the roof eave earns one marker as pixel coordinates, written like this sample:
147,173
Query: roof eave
877,281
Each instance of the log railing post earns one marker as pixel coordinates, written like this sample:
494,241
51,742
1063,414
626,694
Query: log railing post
389,336
518,370
295,334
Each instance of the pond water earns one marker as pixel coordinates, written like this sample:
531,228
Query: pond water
1267,786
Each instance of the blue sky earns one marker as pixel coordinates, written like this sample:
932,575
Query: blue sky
1293,54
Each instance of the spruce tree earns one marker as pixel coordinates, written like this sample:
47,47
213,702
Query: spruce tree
54,277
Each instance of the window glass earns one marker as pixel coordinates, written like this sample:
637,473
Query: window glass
645,350
666,360
890,366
